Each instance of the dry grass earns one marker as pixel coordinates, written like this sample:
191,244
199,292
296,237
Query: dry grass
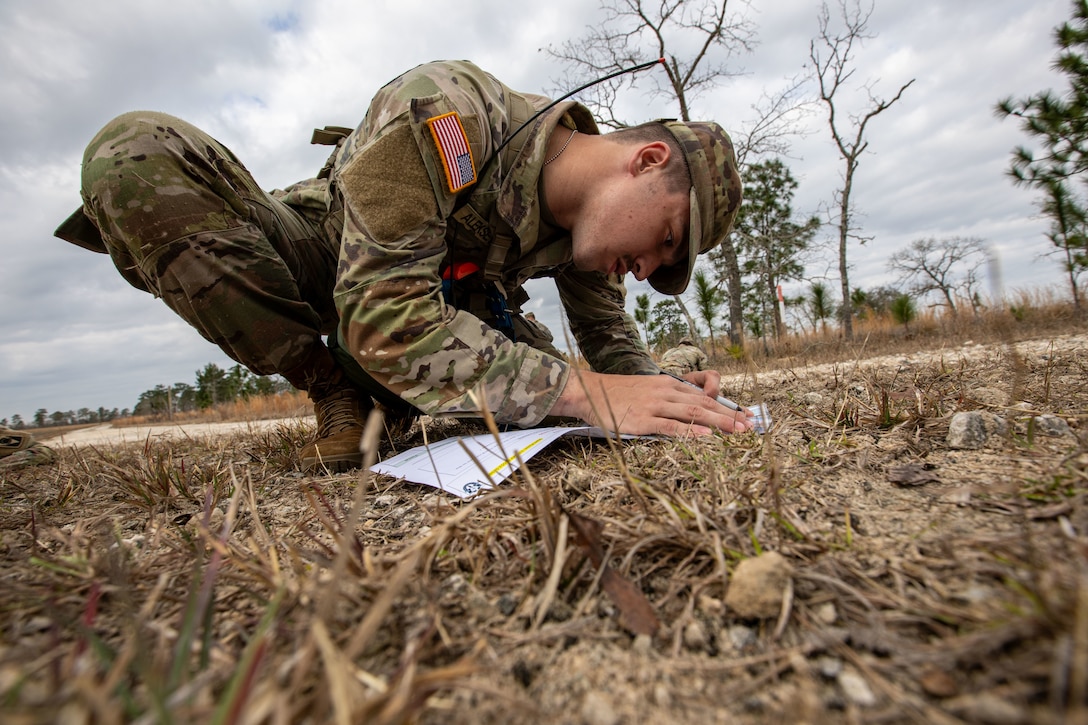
263,407
205,580
1029,315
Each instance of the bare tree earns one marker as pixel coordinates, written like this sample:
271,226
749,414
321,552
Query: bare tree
832,62
945,266
695,38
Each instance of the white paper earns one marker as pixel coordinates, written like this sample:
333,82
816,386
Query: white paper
448,465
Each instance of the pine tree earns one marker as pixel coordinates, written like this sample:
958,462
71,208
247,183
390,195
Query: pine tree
1060,123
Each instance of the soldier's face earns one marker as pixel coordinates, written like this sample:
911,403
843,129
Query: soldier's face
634,226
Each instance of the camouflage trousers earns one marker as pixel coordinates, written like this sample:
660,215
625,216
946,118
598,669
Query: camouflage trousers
183,219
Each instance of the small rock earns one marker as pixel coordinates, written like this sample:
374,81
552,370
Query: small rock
215,522
431,501
384,501
559,611
136,541
826,613
976,593
456,584
36,624
829,667
742,637
662,696
507,604
643,644
710,606
1051,425
813,398
758,585
523,673
973,429
695,636
755,703
856,689
597,710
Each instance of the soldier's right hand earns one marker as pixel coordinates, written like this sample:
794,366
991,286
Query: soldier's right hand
645,405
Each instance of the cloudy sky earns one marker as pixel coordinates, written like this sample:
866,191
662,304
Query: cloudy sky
261,74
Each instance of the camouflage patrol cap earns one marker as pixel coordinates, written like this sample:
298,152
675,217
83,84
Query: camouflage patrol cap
715,196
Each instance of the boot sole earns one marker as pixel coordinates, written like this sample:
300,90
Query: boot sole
333,464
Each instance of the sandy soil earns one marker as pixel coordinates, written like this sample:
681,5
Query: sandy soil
106,433
906,579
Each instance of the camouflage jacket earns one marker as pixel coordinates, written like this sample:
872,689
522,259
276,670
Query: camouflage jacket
422,183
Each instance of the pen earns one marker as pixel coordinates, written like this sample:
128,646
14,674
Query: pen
723,400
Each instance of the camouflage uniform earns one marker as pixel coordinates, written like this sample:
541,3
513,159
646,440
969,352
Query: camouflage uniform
684,359
264,275
19,449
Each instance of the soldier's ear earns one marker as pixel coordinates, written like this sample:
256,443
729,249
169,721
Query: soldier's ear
650,156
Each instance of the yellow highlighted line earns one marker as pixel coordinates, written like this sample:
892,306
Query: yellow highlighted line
512,458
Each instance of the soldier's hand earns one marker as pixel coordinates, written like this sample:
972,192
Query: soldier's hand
649,404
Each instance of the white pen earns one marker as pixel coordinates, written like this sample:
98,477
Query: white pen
723,400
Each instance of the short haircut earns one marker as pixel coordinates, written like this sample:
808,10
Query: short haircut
677,176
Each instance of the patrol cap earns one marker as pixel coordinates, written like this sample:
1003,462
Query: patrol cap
714,199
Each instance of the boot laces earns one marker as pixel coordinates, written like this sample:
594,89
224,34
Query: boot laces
337,413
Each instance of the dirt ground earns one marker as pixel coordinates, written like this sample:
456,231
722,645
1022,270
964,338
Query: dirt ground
106,434
906,544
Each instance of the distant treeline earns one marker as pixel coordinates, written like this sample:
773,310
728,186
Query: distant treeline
213,386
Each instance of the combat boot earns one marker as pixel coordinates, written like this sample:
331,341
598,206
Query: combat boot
13,441
19,449
341,415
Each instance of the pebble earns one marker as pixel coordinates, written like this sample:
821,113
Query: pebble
507,604
383,501
215,522
973,429
695,638
826,613
710,606
643,644
456,584
829,667
597,710
742,637
757,586
856,689
1051,425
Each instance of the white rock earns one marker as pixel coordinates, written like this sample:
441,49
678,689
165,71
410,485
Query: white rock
856,689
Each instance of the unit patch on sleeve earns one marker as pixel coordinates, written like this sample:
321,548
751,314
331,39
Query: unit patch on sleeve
449,134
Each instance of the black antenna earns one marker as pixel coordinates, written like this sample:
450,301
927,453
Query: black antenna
610,76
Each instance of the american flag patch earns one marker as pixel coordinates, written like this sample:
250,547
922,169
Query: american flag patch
449,134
